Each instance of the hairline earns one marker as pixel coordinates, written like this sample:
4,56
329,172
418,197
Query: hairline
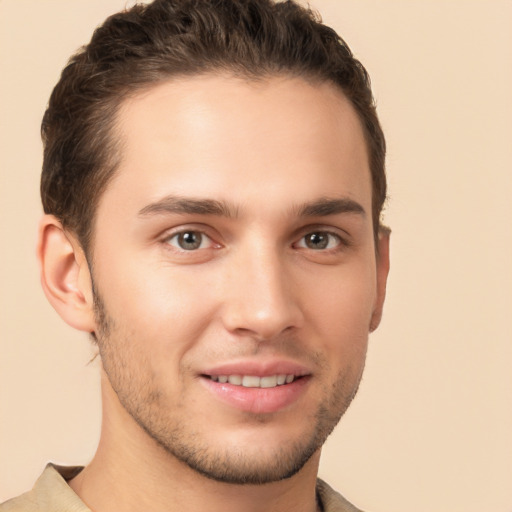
114,135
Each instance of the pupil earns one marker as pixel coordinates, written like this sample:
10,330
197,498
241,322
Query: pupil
189,240
317,241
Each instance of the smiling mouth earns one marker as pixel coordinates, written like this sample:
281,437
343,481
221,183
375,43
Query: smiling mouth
253,381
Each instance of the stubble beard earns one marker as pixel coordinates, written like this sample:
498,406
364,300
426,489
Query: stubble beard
232,465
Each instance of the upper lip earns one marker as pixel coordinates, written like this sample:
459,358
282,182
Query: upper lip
258,368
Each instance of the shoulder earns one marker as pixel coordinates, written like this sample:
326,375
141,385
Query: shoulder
332,501
20,504
51,493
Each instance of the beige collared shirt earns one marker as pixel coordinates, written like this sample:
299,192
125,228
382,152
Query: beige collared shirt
51,493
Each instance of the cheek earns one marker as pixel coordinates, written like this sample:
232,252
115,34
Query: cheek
339,313
343,301
155,304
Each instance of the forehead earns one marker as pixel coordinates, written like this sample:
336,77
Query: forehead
241,141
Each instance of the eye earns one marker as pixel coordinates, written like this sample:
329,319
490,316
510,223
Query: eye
190,240
319,241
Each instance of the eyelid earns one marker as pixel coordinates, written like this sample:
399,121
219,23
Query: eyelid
340,242
343,235
204,230
205,240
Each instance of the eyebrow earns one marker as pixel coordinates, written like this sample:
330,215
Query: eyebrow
322,207
326,206
186,205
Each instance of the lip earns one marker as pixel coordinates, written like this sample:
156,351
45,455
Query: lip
257,400
258,368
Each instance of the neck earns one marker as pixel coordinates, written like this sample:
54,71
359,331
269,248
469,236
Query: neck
128,460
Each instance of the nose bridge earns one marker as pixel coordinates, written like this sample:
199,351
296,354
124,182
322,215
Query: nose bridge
260,297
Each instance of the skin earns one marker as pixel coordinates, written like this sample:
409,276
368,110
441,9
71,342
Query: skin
286,271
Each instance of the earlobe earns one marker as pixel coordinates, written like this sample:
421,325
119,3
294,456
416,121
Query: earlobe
65,275
382,276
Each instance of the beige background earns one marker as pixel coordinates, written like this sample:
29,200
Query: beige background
432,426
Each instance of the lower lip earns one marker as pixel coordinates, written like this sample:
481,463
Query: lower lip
257,400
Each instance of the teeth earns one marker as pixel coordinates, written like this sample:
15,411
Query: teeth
268,382
235,379
252,381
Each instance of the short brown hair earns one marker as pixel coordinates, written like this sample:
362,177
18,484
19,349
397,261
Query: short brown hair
152,43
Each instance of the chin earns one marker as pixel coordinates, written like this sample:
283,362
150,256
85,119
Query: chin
248,467
263,453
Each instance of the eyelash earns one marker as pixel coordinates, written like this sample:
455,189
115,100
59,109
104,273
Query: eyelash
301,244
183,233
338,241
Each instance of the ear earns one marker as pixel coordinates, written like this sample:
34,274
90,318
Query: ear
65,275
382,257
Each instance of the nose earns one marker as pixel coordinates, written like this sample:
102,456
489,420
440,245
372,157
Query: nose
261,297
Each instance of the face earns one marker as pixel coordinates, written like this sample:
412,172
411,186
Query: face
235,271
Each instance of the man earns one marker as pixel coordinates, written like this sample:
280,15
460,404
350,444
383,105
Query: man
213,181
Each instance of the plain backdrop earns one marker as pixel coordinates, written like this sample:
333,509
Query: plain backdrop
431,428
